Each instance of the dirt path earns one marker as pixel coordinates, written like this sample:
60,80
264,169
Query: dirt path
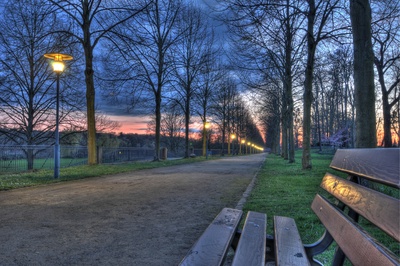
150,217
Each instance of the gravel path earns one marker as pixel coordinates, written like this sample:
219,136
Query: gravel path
149,217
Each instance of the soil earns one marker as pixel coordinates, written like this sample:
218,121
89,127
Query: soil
149,217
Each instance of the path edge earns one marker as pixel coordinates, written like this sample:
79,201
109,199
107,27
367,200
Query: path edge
246,193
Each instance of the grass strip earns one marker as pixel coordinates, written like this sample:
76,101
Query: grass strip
33,178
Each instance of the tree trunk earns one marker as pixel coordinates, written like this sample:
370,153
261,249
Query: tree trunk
90,90
204,139
91,120
284,152
364,91
187,122
307,101
158,125
387,134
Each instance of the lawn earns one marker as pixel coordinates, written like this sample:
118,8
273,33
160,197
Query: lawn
20,165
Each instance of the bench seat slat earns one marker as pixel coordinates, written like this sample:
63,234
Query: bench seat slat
378,208
289,248
359,247
211,248
380,165
252,244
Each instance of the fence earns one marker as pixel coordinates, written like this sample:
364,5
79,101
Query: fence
14,159
25,158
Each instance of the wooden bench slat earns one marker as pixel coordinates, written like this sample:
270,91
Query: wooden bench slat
380,165
378,208
211,248
252,244
289,248
359,248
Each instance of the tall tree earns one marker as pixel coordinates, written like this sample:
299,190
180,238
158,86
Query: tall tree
210,76
222,104
146,47
360,15
190,57
318,15
27,94
90,21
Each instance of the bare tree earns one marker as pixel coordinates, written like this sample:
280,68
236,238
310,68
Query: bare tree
190,56
209,79
27,94
333,107
172,124
222,104
88,22
146,44
318,15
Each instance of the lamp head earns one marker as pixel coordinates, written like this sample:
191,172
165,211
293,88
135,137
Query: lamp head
58,61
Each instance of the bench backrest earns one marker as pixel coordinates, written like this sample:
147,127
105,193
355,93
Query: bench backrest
381,169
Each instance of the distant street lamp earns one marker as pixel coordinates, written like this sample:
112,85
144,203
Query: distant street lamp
207,125
242,142
57,62
233,136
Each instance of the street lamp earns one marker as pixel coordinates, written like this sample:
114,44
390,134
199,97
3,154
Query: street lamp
57,62
207,125
233,136
242,142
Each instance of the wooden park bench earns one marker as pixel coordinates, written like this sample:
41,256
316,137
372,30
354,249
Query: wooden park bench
369,171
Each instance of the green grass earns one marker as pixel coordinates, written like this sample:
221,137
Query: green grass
39,177
19,165
285,189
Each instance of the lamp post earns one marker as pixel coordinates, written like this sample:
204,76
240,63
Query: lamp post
207,125
233,136
57,62
242,142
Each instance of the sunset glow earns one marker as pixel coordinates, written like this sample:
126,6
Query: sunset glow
131,124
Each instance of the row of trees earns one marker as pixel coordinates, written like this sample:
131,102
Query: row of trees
156,55
318,56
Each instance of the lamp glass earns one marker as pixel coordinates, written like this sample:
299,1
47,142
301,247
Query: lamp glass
58,66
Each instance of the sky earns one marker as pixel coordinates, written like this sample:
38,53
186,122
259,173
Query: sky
130,123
